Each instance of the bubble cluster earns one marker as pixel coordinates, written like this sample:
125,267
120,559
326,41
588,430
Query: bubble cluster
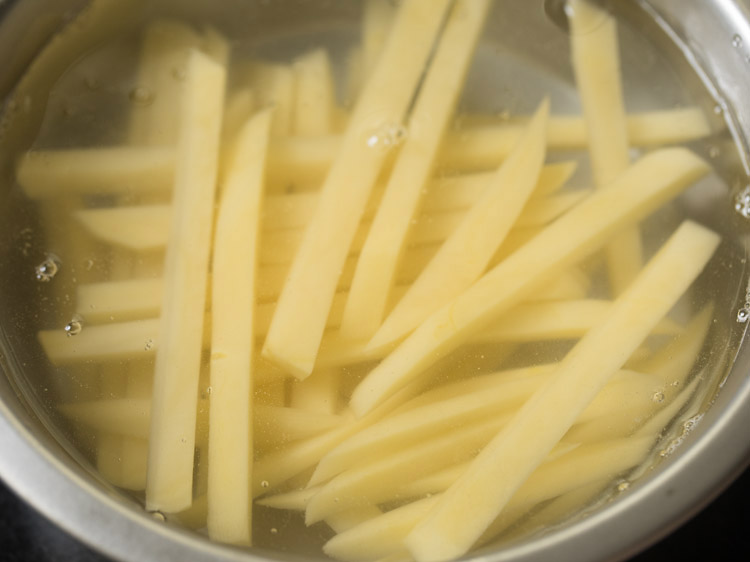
47,270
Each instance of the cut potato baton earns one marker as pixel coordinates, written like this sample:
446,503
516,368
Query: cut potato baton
171,450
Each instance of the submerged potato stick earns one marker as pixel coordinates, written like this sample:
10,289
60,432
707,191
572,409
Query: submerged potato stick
653,180
235,262
388,234
466,253
472,503
171,444
298,323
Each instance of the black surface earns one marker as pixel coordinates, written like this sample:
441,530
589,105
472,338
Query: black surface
719,533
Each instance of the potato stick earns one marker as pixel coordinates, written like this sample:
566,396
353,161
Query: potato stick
580,467
380,536
542,211
297,327
465,254
660,420
171,444
274,86
276,468
239,107
377,22
644,128
652,181
119,300
117,416
417,425
596,62
47,173
379,480
295,500
235,262
531,321
345,520
556,320
461,191
163,57
318,393
295,159
134,463
490,482
315,96
354,77
388,235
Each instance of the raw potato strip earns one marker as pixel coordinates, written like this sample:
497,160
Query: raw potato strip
400,431
119,170
472,503
299,321
274,86
345,520
299,159
377,21
319,392
465,254
596,61
146,227
315,97
171,444
388,235
652,181
230,444
164,55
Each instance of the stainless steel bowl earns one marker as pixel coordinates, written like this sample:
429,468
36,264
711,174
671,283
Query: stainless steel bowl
50,476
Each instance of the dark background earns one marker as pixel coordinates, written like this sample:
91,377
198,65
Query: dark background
721,532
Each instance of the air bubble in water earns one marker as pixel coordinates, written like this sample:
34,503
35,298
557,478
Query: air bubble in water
743,314
622,486
209,390
264,484
274,530
736,41
657,397
47,270
149,344
387,136
74,327
742,202
158,515
141,96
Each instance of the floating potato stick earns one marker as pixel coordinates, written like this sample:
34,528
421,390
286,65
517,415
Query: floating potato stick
652,181
418,425
379,480
297,327
164,54
95,170
465,254
234,270
315,96
377,22
171,444
596,61
388,235
295,500
345,520
469,506
119,416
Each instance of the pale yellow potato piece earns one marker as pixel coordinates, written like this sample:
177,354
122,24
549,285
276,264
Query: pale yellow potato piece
388,235
230,439
118,416
379,480
163,61
295,500
119,300
377,22
172,439
379,537
297,327
44,174
649,183
596,62
275,86
465,254
289,423
314,94
472,503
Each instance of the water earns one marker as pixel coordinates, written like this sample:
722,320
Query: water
521,58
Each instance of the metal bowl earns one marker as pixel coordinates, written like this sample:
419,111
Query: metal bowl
45,471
